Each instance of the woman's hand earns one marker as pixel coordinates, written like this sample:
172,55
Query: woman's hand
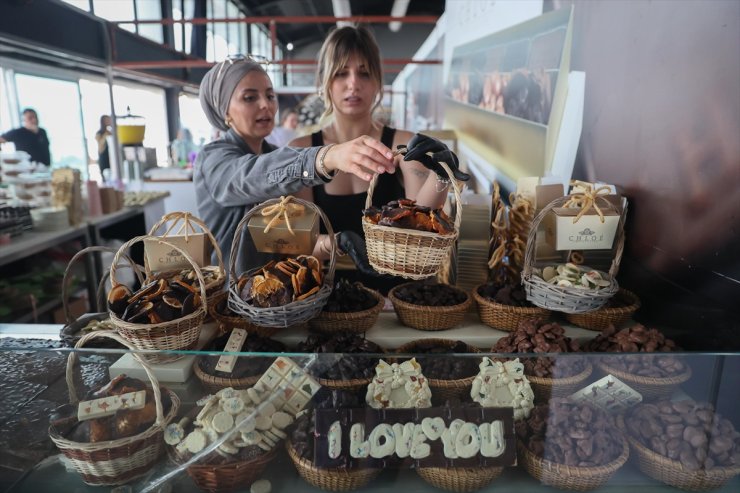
430,152
362,157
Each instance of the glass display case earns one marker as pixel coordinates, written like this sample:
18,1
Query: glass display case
477,420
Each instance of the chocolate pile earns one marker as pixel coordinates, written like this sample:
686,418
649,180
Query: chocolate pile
637,339
506,294
442,367
350,297
345,367
245,366
425,294
405,214
686,431
535,337
574,434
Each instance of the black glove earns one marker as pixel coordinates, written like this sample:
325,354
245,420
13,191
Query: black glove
420,145
353,245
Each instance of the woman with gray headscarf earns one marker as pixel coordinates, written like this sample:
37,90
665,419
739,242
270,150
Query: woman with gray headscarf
241,169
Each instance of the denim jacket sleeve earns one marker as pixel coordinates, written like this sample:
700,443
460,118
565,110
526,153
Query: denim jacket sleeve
233,178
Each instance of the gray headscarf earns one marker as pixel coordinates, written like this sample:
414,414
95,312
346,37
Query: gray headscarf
218,85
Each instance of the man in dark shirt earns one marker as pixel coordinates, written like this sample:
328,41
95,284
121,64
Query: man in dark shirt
30,138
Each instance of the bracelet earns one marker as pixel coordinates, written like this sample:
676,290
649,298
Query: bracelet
442,183
320,167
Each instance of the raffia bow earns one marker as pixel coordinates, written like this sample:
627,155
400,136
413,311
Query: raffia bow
586,198
282,210
397,373
186,225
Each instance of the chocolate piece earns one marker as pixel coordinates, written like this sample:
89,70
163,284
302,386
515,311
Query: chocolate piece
427,294
505,294
346,367
350,297
445,368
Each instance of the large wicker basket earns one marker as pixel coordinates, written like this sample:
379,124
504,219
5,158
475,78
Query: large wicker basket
72,330
506,317
179,334
215,286
429,318
568,299
293,313
459,479
330,479
570,477
672,472
118,461
602,318
348,322
546,387
651,388
443,389
406,252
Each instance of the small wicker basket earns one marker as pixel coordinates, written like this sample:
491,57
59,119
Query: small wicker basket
293,313
215,286
179,334
546,387
330,479
228,321
672,472
506,317
429,318
651,388
568,299
117,461
459,479
348,322
72,330
443,389
406,252
604,317
570,477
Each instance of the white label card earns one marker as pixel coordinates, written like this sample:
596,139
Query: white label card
610,394
233,345
107,406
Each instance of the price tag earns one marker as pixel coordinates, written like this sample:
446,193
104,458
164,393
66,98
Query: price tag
107,406
233,345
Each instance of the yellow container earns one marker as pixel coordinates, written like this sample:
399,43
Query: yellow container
131,134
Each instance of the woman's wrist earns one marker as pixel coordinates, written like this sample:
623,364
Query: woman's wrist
322,169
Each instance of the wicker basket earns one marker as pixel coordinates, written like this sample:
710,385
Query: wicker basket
71,332
293,313
179,334
227,322
215,287
568,299
444,389
459,479
506,317
671,472
213,384
348,322
118,461
604,317
570,477
545,387
330,479
406,252
651,388
429,318
218,478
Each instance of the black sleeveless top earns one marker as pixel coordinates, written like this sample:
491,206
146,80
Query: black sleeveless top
345,211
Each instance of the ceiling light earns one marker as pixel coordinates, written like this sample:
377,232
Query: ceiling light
342,9
289,46
398,10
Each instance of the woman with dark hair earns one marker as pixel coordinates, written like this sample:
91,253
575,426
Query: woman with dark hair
101,137
241,169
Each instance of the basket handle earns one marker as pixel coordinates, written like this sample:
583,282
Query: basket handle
329,278
455,190
109,334
532,237
127,245
188,220
99,302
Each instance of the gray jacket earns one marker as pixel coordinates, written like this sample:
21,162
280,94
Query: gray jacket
230,179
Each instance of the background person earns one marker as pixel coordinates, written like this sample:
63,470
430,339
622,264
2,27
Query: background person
283,134
101,137
30,138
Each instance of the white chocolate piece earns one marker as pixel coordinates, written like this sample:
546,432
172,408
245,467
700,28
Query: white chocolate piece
107,406
205,400
433,427
261,486
268,440
263,423
195,441
232,405
207,406
281,420
227,393
228,448
254,396
267,409
222,422
264,446
252,437
247,422
173,434
280,434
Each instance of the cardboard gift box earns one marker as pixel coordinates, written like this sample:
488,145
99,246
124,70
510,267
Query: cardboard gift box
285,228
163,258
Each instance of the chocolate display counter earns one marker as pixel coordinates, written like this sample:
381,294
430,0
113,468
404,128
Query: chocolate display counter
352,413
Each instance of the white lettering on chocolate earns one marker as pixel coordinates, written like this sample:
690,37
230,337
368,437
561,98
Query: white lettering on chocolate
382,441
449,436
335,439
419,449
433,427
492,439
404,438
467,443
359,448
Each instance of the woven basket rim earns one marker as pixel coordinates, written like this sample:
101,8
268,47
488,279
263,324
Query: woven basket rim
480,299
439,382
623,375
307,464
664,461
412,233
119,323
221,381
256,461
615,311
349,316
581,471
578,377
426,308
535,282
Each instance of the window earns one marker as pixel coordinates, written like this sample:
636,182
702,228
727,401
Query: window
80,4
116,10
150,10
193,118
149,103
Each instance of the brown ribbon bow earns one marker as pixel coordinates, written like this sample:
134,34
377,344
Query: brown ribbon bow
283,209
587,198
